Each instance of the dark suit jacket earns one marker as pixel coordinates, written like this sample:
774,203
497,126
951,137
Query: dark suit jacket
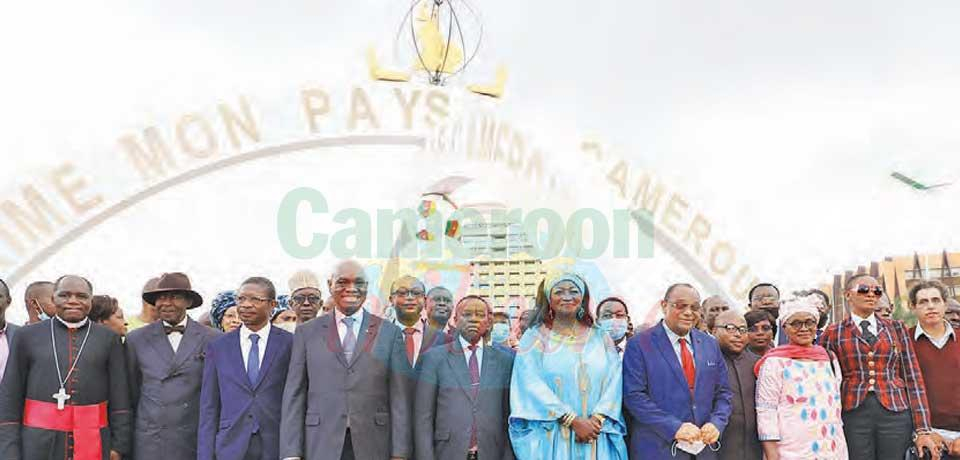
374,391
165,390
231,408
656,395
444,406
740,440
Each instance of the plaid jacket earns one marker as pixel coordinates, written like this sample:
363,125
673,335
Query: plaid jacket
889,368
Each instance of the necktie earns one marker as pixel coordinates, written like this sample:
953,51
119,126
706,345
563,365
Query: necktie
865,330
253,359
475,386
408,332
171,329
349,339
686,358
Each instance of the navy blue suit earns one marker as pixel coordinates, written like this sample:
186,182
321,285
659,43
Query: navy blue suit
231,408
655,392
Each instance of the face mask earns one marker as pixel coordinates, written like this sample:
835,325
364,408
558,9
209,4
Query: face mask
616,327
692,448
40,313
499,333
289,327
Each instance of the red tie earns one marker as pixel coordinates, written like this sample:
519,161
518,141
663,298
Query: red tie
475,383
686,358
408,332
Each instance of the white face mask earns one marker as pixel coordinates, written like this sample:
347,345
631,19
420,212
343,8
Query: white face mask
289,327
616,327
692,448
499,333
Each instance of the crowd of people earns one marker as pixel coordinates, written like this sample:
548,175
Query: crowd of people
300,376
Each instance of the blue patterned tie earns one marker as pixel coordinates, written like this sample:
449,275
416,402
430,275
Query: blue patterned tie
253,359
349,339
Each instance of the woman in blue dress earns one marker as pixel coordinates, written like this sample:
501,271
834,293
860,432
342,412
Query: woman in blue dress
566,392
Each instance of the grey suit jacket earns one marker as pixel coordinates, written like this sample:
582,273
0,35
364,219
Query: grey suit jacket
444,406
165,390
324,392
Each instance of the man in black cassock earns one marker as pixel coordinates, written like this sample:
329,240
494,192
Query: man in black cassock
84,412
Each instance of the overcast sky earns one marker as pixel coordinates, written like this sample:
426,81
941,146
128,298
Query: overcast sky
781,121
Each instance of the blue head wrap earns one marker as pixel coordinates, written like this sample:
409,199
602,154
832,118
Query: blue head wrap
555,278
283,303
219,306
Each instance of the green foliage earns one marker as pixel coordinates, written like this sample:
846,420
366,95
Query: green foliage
903,314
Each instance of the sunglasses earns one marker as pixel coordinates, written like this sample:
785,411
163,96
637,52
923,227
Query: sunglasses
864,289
760,328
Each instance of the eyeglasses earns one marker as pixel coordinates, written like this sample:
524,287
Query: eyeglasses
244,299
681,307
801,325
411,293
760,328
734,329
305,299
863,289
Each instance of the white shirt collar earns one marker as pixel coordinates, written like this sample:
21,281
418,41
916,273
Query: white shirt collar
921,332
262,333
466,345
872,319
357,315
673,335
181,323
418,326
69,325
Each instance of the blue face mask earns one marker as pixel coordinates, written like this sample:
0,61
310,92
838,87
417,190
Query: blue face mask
499,333
42,315
616,327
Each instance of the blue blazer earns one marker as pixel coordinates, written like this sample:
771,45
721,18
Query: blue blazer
231,409
655,392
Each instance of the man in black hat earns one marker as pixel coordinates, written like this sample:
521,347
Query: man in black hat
165,362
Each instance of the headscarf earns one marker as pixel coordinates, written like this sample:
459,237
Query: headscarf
283,303
814,352
555,278
219,306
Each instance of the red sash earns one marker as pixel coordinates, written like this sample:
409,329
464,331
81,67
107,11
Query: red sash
84,421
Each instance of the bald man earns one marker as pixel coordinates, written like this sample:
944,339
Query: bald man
349,389
740,441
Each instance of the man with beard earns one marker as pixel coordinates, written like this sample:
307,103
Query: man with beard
349,389
165,362
740,440
64,393
407,295
883,393
463,396
766,297
305,296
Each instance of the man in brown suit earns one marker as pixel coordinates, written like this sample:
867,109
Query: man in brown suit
739,441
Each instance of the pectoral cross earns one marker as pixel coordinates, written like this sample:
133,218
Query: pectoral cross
61,397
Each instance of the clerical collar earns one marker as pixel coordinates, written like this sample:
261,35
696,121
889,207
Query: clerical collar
69,325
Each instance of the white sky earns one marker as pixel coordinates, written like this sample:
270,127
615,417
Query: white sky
781,121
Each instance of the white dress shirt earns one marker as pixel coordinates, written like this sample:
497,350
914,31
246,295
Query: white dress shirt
342,328
246,343
939,343
466,353
175,337
675,342
417,337
872,319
